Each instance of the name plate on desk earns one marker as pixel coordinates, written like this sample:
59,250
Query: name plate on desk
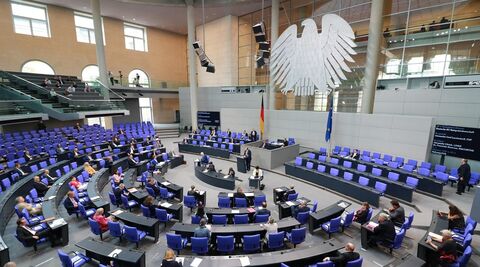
166,205
94,198
249,194
235,211
57,223
115,253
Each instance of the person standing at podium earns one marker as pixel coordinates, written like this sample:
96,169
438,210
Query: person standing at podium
248,158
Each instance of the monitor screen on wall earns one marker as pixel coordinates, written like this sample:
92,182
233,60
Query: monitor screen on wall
455,141
210,118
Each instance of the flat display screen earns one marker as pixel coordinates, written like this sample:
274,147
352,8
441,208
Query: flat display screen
210,118
456,141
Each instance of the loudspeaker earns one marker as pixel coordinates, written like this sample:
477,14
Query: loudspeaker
204,63
260,62
265,54
259,28
196,45
264,46
260,38
211,68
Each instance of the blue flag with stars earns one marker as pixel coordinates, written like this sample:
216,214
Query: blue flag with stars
328,132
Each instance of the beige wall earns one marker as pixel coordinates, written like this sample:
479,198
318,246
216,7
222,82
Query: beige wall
165,59
164,109
222,48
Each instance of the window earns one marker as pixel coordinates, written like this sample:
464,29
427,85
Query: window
99,121
90,73
30,19
135,37
84,28
143,81
145,104
39,67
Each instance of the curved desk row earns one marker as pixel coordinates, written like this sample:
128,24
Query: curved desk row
177,190
52,199
250,196
230,213
7,204
95,186
394,188
352,189
424,250
425,184
105,252
293,257
215,178
217,152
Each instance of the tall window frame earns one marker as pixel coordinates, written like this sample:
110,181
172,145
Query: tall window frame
30,18
135,37
145,105
84,23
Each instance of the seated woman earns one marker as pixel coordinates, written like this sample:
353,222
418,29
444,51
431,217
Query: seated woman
152,183
454,216
149,202
271,227
88,168
231,172
117,178
75,183
361,214
101,219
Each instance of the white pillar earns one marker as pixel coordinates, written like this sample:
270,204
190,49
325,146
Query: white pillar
99,45
192,64
270,103
373,50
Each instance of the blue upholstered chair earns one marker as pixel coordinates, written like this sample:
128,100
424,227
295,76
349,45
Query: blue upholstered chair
128,204
262,218
240,202
225,244
251,243
356,263
219,219
115,229
95,228
190,202
302,217
345,223
224,202
77,260
297,236
163,216
133,235
380,187
199,245
332,226
275,240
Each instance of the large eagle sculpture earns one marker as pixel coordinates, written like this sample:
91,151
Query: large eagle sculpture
315,61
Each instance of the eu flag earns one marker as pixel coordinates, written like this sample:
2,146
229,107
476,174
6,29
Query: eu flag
328,132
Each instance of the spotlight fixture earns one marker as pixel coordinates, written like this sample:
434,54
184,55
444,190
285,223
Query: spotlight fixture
204,60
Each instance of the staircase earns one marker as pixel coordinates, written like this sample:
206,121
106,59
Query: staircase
167,130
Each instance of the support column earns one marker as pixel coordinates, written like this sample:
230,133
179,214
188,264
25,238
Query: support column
373,50
192,64
271,88
99,45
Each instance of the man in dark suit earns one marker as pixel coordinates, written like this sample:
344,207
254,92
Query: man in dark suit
342,259
193,192
383,232
463,176
355,154
132,163
29,236
211,167
19,171
152,183
119,191
301,208
39,186
397,213
131,149
248,158
51,179
239,193
71,203
290,191
263,210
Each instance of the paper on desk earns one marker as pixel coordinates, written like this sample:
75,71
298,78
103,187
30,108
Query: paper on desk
205,171
290,203
117,212
94,198
343,205
230,194
235,211
180,259
132,190
196,262
115,253
249,194
435,236
52,197
166,205
201,192
278,189
226,176
165,183
245,261
57,222
372,225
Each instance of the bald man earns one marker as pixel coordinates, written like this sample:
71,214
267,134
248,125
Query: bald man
342,259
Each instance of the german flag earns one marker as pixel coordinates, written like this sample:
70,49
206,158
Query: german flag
262,120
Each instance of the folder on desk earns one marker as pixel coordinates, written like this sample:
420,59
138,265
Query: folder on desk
115,253
165,183
166,205
117,212
196,262
249,194
235,211
290,203
230,194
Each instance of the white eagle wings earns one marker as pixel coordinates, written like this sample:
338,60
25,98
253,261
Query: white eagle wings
314,61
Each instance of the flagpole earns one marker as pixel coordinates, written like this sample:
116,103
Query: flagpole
329,152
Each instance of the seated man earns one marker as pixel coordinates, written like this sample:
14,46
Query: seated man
152,183
132,163
342,259
29,236
211,167
262,210
71,203
383,232
397,213
21,204
51,179
202,230
355,154
239,193
39,186
18,169
290,191
203,159
301,208
119,191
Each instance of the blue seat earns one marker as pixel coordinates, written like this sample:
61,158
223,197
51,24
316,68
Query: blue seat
95,228
424,171
361,167
369,214
33,193
334,171
86,213
143,178
381,187
323,151
251,243
261,218
284,265
128,204
302,217
145,211
298,161
442,177
355,263
314,207
411,182
163,216
408,168
224,202
309,165
219,219
74,165
321,168
393,164
199,245
196,219
345,223
113,199
297,236
240,219
258,200
397,241
115,229
440,168
77,260
240,202
334,161
323,264
393,176
376,172
225,244
378,161
190,202
332,226
292,197
151,192
322,158
6,183
463,260
311,155
133,235
347,164
275,240
347,176
34,168
164,194
363,181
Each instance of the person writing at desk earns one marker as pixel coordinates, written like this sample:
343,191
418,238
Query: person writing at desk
257,173
202,230
248,158
355,154
169,259
231,172
30,236
397,213
447,248
454,216
101,219
211,167
342,259
383,232
361,214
